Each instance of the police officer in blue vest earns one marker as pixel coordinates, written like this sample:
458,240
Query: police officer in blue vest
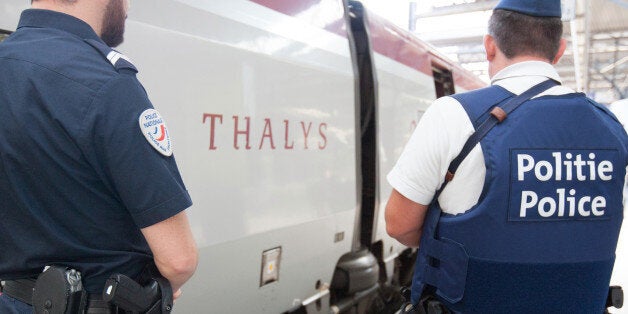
88,181
530,212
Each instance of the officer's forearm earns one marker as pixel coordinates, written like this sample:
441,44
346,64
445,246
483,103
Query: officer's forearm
178,274
410,239
173,248
404,219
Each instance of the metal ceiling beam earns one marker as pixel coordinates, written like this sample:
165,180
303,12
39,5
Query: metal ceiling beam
613,65
459,9
610,32
575,48
596,52
587,45
455,41
475,50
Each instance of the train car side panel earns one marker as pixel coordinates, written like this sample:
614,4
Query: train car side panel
262,121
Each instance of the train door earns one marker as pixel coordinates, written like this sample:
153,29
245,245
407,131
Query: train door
366,90
443,81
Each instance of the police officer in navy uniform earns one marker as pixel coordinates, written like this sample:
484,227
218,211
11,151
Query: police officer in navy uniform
529,217
87,176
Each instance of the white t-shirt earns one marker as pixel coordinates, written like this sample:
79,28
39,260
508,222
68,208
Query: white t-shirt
440,136
620,109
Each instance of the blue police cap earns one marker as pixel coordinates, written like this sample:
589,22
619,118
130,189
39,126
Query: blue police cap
540,8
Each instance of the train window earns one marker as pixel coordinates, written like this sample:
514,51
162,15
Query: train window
443,81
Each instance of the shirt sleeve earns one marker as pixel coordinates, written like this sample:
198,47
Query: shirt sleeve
146,182
437,139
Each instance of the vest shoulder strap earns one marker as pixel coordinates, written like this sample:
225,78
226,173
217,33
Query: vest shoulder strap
477,103
496,115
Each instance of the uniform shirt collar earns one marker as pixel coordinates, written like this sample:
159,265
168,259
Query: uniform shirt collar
520,76
52,19
527,68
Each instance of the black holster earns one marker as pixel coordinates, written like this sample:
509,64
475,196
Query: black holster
59,290
428,304
152,295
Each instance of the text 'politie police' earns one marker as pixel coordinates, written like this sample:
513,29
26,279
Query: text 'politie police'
538,173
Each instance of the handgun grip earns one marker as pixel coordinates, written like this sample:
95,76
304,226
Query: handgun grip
127,294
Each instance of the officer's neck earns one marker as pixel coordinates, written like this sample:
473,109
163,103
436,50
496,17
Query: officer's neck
501,62
90,12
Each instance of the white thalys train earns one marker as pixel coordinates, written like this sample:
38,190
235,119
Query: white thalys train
286,115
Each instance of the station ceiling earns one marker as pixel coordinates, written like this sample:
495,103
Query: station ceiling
596,60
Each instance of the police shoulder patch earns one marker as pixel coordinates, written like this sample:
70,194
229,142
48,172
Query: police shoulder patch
155,131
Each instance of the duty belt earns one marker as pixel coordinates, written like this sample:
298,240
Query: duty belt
22,290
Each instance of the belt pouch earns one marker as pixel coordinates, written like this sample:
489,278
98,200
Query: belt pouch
59,290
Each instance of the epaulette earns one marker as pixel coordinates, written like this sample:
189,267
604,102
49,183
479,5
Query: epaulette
117,60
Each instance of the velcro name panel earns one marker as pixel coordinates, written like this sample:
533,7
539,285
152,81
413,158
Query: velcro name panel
558,184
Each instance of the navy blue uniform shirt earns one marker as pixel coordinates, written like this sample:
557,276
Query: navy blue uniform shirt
78,178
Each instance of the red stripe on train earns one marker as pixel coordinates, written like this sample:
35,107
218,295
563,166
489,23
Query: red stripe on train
386,38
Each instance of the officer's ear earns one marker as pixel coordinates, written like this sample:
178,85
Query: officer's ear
490,47
561,49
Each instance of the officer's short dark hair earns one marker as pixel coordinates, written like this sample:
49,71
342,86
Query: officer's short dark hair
518,34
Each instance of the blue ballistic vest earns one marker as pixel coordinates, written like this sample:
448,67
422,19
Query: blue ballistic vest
542,237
